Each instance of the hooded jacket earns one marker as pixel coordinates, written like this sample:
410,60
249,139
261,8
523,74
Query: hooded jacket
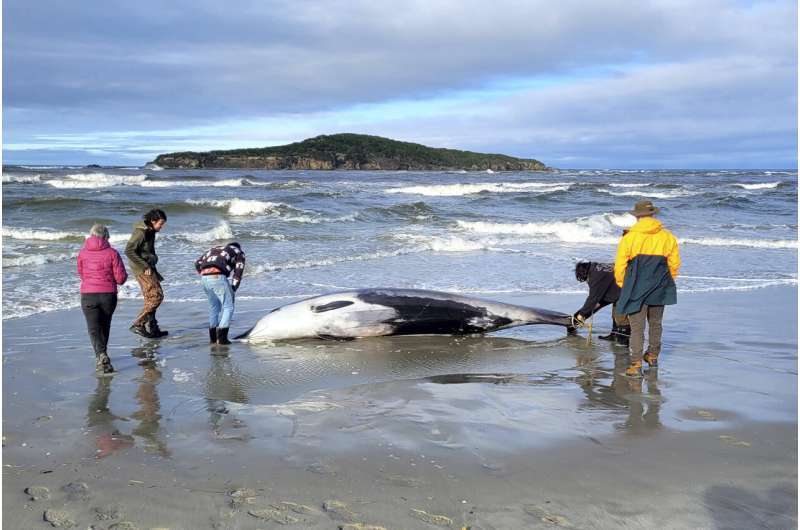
646,266
100,267
141,249
648,237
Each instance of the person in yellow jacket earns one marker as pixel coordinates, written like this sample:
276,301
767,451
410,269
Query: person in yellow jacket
646,266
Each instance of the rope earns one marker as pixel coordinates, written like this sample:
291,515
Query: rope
589,334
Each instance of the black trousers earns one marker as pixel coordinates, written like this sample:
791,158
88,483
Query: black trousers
98,308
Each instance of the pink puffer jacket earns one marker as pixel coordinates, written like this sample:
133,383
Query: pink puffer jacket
100,267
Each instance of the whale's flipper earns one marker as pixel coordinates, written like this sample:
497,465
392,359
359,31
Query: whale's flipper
244,335
331,306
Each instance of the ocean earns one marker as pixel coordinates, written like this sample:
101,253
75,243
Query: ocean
491,235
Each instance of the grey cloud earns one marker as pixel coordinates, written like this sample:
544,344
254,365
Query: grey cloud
236,60
119,66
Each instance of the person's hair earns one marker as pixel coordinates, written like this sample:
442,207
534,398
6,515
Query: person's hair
154,215
99,231
235,244
582,270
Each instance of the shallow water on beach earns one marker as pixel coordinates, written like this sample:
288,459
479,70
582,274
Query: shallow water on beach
534,419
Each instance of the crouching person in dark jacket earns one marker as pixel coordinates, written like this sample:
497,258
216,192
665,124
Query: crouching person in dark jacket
214,267
603,290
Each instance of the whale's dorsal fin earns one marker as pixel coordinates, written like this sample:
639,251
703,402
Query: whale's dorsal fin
331,306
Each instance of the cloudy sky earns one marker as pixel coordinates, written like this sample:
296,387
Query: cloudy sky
574,83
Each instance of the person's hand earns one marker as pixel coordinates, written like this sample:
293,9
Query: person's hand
578,320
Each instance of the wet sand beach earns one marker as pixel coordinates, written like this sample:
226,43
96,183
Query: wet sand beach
526,428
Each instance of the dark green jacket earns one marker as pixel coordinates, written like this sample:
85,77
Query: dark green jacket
647,281
141,249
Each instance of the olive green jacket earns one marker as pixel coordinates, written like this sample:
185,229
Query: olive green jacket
141,249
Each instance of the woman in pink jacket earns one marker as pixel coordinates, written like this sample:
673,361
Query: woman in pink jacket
101,270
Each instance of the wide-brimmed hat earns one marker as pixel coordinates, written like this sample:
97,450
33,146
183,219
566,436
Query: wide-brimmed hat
643,208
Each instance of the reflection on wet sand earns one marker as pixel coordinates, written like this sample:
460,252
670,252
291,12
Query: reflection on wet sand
623,393
100,420
605,389
225,384
149,413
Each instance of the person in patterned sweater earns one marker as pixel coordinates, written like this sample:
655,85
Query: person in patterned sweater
214,268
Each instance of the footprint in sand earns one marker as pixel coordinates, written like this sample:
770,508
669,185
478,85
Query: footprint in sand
277,516
547,517
400,480
242,496
339,511
59,519
38,493
732,440
436,520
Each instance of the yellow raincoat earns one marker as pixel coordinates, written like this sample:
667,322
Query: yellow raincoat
647,236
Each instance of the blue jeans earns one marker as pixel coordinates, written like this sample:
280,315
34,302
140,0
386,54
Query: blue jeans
220,300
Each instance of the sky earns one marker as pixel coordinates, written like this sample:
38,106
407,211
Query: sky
575,84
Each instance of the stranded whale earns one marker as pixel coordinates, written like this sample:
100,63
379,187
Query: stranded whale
381,312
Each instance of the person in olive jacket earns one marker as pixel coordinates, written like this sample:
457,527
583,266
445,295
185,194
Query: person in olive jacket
142,258
646,267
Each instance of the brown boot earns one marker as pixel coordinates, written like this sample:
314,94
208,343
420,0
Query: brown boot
634,369
651,359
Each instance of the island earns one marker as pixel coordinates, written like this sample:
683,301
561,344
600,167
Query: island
348,151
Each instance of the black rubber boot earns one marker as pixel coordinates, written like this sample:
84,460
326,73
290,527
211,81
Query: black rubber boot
142,330
612,335
624,335
222,336
212,335
155,331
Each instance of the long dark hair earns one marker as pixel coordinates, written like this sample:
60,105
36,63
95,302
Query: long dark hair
154,215
582,270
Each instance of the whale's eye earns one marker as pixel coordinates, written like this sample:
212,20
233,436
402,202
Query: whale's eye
331,306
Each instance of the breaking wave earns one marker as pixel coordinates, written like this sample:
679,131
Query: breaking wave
225,183
598,229
749,243
454,190
763,186
22,179
675,194
36,259
40,235
244,207
220,232
95,180
29,234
